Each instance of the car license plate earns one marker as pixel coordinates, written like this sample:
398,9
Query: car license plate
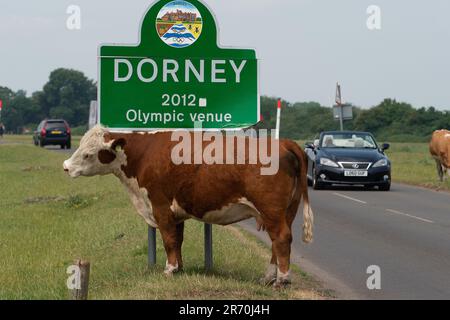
356,173
56,132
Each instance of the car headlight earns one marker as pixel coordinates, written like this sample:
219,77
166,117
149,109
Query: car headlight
381,163
329,163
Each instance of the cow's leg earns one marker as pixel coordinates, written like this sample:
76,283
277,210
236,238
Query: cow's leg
168,229
271,272
439,170
169,237
282,239
180,237
270,276
282,245
283,249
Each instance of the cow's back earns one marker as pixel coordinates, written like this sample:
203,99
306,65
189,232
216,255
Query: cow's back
439,143
202,188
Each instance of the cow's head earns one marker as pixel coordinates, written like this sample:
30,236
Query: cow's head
98,154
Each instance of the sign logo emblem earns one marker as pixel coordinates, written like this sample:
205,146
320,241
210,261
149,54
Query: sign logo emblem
355,166
179,24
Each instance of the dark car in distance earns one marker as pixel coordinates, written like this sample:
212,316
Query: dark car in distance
348,158
53,132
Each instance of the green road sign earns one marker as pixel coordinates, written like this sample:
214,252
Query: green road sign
177,75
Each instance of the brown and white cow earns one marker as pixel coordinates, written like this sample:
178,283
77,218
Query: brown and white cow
166,195
440,150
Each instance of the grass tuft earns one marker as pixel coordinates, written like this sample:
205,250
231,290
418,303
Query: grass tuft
77,202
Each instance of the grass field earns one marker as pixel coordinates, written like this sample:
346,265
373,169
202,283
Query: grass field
413,164
48,220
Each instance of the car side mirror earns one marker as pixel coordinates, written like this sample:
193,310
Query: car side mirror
385,146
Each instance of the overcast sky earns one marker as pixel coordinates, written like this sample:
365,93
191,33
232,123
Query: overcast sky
304,46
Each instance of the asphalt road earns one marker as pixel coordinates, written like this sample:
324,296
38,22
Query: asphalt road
406,232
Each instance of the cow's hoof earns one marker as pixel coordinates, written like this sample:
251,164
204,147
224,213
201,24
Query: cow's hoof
283,280
170,269
270,276
169,273
282,284
267,281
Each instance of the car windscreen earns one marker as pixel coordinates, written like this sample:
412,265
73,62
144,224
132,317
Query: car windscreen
348,140
55,125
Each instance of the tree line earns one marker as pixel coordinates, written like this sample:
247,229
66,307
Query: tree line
68,94
388,121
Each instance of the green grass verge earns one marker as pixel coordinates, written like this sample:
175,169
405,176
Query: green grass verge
27,139
413,164
48,220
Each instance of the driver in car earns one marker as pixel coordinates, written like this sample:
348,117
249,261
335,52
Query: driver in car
328,143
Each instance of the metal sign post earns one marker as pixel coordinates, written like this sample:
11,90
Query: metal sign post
208,247
341,111
341,116
93,114
151,246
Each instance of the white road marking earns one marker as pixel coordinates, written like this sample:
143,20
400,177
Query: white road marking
349,198
388,210
409,215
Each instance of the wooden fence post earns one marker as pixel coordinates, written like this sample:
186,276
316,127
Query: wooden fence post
82,292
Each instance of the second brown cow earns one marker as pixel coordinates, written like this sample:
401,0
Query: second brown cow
440,150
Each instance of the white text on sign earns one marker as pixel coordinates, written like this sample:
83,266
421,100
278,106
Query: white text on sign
148,71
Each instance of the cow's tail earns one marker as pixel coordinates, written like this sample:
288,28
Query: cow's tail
308,216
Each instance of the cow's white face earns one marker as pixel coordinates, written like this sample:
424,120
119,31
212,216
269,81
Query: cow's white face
95,156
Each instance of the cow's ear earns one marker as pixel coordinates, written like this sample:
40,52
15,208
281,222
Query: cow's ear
118,143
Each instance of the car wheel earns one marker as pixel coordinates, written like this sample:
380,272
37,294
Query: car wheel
385,187
316,184
62,146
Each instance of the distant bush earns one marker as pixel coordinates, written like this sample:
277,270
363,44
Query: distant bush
402,138
79,131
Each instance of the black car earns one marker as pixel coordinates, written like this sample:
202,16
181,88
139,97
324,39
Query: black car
348,158
53,132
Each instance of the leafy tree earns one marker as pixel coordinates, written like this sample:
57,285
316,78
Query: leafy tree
14,108
67,95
